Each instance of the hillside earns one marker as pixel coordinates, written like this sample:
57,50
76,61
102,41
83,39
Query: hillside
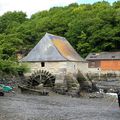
88,27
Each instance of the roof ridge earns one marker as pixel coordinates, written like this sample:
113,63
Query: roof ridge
54,35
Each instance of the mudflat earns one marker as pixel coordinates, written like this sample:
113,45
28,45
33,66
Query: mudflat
57,107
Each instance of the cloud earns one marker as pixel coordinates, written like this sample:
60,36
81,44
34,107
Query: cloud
31,6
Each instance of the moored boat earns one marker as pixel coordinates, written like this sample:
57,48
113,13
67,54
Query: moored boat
27,90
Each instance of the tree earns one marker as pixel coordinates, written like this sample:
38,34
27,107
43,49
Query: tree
88,27
10,20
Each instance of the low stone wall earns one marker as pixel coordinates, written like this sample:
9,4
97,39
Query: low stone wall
109,81
104,76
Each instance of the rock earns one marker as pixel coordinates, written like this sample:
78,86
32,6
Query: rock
86,85
95,88
96,95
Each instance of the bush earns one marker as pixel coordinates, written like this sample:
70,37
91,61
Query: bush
12,68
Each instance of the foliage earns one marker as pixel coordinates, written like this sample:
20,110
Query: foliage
12,68
88,27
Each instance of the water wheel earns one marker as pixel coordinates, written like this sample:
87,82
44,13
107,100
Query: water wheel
41,77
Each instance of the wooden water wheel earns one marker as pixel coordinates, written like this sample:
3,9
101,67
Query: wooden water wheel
41,77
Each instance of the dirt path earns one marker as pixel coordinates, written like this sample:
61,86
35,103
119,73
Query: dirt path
24,107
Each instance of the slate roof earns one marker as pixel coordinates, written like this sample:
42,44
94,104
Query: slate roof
104,56
52,48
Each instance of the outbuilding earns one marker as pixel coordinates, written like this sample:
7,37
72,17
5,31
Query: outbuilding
105,61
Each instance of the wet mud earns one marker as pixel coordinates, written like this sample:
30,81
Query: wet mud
29,107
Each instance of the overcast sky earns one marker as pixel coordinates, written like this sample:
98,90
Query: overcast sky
33,6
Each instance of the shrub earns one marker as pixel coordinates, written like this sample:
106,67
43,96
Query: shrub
12,68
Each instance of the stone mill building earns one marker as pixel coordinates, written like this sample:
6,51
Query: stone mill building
55,55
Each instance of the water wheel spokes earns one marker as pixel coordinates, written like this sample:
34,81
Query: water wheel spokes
41,77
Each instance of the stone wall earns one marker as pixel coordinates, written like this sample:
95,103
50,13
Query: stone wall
59,69
106,80
83,67
65,73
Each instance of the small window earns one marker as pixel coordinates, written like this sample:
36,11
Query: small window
93,56
42,64
93,63
74,67
113,56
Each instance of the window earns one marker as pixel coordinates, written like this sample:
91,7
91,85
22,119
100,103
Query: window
42,64
92,64
74,67
113,56
93,56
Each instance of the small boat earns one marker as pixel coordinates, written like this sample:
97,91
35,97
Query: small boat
27,90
